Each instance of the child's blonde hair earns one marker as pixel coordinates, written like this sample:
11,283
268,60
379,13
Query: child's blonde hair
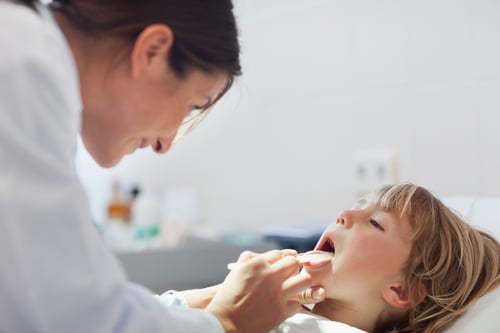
455,262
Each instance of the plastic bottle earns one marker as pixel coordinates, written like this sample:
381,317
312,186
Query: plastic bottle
146,218
117,231
118,208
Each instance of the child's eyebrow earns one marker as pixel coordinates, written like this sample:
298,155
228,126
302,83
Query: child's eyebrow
361,201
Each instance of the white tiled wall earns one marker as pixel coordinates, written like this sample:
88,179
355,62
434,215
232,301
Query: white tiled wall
325,78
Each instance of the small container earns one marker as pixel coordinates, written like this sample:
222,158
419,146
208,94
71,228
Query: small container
118,208
146,218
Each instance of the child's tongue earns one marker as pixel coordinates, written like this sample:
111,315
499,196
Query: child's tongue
315,255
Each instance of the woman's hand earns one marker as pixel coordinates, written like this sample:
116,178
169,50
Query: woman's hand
199,298
259,292
311,295
318,265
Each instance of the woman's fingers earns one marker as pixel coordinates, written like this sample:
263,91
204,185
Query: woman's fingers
295,285
246,255
298,286
286,265
259,281
199,298
270,257
275,255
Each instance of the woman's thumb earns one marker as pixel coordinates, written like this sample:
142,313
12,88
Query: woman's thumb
312,295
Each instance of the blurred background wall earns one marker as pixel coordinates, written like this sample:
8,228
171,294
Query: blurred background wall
328,81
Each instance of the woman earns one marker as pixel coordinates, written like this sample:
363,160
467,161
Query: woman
127,74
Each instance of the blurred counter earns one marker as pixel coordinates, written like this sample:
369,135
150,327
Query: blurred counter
197,263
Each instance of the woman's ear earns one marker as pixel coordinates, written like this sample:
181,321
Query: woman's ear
397,297
150,50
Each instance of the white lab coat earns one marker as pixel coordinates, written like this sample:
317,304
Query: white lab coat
56,275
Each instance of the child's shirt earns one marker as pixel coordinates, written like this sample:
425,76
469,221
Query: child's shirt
308,322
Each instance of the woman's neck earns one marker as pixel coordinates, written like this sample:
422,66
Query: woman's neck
363,318
91,53
75,39
94,58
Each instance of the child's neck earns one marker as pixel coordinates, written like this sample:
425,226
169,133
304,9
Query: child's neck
362,318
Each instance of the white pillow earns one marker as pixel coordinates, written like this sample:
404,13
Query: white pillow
481,212
483,317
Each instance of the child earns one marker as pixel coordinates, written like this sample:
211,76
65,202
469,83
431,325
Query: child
401,261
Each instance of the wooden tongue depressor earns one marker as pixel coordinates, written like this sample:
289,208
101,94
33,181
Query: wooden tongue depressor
310,257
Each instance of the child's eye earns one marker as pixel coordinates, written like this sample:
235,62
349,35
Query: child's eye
376,224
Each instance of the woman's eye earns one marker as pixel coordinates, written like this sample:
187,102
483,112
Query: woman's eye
376,224
193,113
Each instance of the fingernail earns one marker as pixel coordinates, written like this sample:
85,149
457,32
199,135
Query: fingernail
288,252
318,294
232,266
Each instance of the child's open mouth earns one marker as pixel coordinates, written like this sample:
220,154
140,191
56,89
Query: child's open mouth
328,246
325,252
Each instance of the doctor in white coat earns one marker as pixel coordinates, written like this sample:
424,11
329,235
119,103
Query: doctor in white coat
125,74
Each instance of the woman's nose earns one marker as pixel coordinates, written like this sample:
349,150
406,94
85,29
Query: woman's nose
163,145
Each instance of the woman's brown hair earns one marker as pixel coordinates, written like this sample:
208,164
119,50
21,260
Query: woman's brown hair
205,32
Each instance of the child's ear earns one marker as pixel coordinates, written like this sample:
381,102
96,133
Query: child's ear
395,295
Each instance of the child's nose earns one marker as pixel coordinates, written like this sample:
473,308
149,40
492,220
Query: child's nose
345,218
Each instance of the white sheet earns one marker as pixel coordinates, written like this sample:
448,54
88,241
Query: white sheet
484,316
307,322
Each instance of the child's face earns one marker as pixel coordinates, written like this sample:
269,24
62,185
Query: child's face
370,246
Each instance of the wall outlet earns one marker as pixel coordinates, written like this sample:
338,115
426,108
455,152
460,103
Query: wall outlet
372,169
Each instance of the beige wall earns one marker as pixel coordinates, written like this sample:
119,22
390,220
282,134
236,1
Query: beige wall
325,79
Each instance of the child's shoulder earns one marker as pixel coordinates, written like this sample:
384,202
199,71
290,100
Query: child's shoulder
308,322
